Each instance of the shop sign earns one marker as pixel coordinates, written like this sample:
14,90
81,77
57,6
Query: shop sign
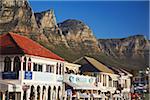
10,75
80,79
28,75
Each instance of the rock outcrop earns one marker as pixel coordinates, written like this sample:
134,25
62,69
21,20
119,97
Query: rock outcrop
79,36
16,15
133,50
46,21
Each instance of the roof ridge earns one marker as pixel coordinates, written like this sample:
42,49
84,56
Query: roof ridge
32,48
88,58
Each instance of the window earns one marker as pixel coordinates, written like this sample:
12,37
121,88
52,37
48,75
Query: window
40,68
57,66
125,83
115,84
7,64
37,67
17,64
60,67
29,64
34,67
52,68
47,68
110,81
24,63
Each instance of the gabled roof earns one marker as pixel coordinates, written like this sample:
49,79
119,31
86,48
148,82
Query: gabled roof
99,66
120,70
24,45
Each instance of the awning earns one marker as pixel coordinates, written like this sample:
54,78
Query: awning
82,86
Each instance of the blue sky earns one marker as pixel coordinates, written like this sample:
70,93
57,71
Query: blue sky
107,19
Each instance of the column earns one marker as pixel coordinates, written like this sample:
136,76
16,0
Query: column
28,93
12,64
102,79
107,81
56,93
22,63
41,92
32,66
51,92
22,92
46,93
3,95
35,92
27,64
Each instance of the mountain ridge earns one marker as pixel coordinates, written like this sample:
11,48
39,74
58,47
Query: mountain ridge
72,38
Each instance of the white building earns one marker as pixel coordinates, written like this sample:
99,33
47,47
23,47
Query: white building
28,70
109,79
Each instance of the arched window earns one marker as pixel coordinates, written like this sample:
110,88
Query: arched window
38,92
17,64
54,93
32,93
57,67
24,63
49,93
44,93
7,64
58,94
29,64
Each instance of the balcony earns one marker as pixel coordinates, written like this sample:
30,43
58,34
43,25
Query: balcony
28,76
45,77
80,81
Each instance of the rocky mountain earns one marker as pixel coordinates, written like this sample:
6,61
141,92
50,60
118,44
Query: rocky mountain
79,36
16,15
72,38
132,51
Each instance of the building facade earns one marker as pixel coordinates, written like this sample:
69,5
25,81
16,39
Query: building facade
28,71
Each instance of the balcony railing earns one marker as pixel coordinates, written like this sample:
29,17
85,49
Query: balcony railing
10,75
32,76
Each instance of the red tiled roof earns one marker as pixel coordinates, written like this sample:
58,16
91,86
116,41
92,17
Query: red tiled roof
26,45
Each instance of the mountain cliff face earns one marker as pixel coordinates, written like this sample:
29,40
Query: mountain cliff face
72,38
132,46
79,36
46,21
16,15
133,51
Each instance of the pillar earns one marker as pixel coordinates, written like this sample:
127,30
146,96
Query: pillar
41,91
12,64
28,93
3,93
27,64
46,93
102,79
35,93
107,81
22,92
22,60
31,66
